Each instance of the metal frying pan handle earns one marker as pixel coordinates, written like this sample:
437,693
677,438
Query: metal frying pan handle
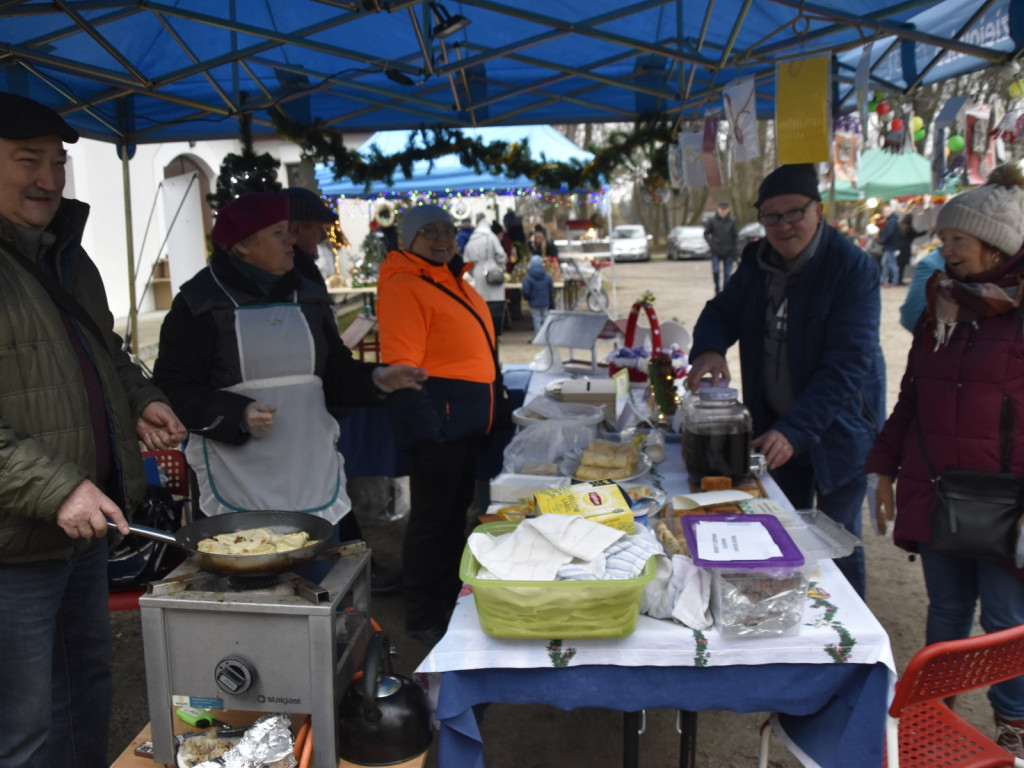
150,533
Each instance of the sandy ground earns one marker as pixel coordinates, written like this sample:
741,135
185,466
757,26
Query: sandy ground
537,736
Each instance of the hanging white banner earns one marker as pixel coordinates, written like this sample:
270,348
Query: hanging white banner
741,111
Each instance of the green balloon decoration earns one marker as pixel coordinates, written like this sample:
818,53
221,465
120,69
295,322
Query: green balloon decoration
872,105
955,143
919,135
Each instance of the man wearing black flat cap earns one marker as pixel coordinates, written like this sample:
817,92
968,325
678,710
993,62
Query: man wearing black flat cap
73,408
309,220
804,306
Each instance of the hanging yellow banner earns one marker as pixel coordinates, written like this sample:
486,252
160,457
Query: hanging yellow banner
801,110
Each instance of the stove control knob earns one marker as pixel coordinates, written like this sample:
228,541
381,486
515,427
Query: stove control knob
234,675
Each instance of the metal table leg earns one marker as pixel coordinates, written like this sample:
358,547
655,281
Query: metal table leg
634,724
686,724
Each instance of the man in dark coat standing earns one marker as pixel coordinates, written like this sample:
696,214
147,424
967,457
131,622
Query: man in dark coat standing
804,306
720,232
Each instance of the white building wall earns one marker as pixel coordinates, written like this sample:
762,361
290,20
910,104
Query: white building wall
96,178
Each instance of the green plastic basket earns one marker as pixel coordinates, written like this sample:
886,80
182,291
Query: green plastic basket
553,610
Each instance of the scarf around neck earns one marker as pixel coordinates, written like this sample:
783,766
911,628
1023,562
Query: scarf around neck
952,301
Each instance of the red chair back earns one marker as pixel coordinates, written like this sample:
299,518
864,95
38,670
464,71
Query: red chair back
175,467
949,668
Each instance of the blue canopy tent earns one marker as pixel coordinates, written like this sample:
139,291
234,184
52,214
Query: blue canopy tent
447,174
130,72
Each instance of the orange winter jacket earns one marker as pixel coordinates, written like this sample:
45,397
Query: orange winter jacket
422,325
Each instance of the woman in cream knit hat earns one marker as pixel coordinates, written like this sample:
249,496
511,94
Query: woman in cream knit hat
964,379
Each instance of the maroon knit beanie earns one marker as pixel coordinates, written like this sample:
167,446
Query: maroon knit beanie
247,215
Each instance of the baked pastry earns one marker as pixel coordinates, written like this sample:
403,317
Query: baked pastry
715,483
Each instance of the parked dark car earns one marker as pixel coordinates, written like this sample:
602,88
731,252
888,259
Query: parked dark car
687,243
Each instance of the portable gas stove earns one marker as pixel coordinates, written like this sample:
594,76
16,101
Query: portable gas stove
284,646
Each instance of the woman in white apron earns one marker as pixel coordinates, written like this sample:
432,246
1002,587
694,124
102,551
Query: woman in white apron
251,358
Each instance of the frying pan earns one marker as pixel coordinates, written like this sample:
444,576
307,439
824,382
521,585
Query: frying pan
188,537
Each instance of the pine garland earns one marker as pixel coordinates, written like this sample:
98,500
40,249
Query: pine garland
247,172
326,145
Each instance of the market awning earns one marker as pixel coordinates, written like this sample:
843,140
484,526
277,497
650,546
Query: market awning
143,72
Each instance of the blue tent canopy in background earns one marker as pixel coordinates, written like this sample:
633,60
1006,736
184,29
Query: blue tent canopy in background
447,174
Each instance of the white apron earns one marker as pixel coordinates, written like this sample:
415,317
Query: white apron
296,465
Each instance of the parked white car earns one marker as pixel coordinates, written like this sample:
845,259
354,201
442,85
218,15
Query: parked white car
630,242
687,243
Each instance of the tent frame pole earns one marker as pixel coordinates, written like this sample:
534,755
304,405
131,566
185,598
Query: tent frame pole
133,314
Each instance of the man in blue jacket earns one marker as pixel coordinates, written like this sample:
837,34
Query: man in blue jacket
805,308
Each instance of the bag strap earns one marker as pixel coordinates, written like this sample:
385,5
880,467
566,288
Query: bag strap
60,296
1006,422
483,327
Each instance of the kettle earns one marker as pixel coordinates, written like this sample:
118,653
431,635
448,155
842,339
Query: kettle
384,718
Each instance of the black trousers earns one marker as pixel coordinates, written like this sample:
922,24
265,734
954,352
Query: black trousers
441,484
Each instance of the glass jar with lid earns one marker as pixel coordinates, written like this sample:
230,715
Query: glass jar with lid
717,435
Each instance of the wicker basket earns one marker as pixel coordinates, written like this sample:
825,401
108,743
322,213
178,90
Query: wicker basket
637,374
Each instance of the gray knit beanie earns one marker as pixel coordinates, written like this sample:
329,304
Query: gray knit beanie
993,213
417,218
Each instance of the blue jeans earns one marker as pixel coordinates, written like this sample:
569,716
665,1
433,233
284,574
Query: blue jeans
890,268
955,585
538,314
56,646
844,505
716,267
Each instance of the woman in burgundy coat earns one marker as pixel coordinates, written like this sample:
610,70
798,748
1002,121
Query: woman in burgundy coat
965,373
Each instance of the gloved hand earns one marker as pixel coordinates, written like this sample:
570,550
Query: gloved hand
258,418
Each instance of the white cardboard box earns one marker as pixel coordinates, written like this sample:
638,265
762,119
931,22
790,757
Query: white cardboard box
607,393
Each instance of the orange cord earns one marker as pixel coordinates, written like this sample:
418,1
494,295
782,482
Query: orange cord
307,750
373,624
302,735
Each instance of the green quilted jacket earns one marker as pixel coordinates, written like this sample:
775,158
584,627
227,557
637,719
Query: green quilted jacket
46,441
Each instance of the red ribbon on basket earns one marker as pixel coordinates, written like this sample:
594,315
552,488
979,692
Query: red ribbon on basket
636,374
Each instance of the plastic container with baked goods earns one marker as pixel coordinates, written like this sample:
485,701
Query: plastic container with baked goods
761,596
553,609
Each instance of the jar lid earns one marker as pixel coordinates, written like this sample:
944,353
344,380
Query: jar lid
719,393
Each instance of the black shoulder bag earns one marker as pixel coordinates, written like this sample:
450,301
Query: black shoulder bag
976,514
502,402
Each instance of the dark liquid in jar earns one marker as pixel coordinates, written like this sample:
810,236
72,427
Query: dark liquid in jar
722,454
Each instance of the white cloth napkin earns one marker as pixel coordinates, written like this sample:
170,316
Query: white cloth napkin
539,546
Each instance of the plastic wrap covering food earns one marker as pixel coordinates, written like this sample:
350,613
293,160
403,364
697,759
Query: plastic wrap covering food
752,604
267,744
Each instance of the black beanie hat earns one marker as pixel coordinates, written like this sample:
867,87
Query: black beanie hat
799,179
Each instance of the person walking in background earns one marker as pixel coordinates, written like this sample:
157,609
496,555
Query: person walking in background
889,237
805,308
907,236
721,233
539,291
465,231
432,319
73,408
485,254
964,373
309,221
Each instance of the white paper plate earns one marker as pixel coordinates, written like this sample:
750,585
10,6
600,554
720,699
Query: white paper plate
571,460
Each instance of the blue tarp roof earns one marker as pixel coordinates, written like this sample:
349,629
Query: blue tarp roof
134,72
447,174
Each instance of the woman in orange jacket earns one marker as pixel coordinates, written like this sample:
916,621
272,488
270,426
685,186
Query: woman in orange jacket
431,318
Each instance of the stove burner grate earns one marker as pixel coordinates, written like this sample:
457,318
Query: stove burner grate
253,581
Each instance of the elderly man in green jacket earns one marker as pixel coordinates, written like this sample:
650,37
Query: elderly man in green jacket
73,408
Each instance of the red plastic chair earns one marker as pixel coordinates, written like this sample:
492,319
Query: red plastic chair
175,467
922,731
